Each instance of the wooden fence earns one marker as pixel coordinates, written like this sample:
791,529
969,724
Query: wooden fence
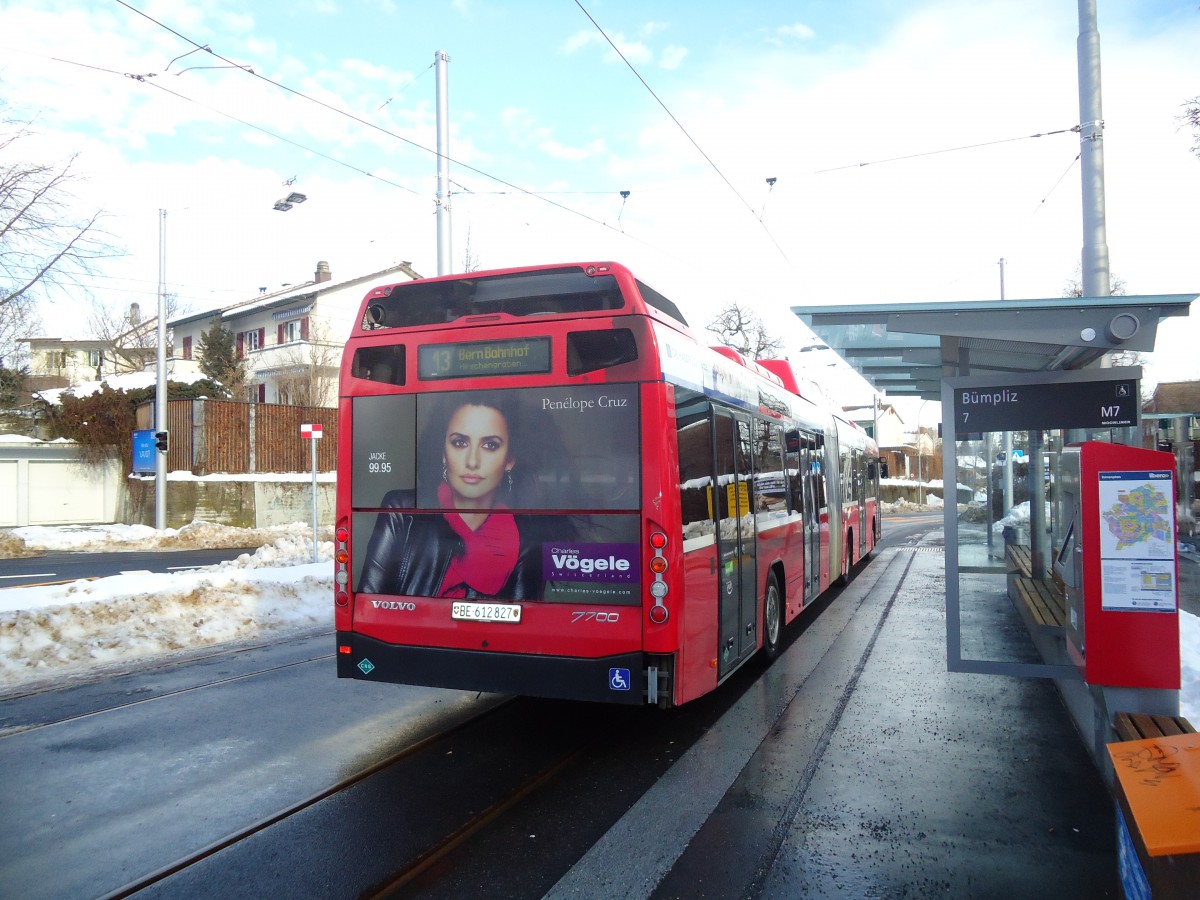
238,438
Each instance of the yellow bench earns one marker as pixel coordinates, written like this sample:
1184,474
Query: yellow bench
1156,783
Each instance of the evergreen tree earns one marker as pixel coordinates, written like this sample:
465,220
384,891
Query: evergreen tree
12,386
219,359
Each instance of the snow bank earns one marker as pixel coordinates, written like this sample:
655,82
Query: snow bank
68,629
197,535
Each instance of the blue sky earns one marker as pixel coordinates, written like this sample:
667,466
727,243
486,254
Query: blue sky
539,101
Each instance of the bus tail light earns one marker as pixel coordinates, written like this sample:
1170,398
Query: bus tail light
658,587
341,555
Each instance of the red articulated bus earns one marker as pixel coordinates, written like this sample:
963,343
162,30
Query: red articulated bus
548,486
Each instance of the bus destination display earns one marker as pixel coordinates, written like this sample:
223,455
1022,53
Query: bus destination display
468,360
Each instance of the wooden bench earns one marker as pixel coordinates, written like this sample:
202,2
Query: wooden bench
1045,603
1019,556
1042,598
1137,726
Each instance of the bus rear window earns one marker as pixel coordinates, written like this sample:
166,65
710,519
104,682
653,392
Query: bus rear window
565,291
588,351
385,364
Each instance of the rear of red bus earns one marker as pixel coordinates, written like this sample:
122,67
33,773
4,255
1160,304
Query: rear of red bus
543,571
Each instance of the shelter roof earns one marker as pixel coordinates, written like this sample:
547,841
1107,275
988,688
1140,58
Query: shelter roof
906,349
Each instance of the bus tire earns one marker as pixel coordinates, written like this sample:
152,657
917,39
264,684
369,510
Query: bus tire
847,560
772,618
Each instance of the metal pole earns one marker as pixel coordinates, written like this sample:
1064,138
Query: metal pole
1007,447
441,61
1094,260
920,478
160,393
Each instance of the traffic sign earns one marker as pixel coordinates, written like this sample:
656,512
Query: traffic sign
311,431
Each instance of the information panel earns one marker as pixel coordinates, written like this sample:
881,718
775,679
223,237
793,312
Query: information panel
1137,541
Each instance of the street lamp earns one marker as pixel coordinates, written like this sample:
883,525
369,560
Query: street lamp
285,203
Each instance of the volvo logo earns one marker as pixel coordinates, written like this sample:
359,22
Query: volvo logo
402,605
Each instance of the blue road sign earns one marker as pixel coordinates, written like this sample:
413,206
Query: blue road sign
143,452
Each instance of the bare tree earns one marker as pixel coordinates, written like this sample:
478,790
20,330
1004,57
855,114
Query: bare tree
470,259
1116,288
1191,117
131,337
42,243
311,370
1074,288
740,328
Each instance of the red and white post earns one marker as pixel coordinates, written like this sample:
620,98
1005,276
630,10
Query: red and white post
313,433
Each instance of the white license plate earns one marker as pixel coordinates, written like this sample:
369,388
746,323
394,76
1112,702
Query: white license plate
486,612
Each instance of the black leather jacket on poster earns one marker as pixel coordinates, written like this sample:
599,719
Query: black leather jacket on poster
409,553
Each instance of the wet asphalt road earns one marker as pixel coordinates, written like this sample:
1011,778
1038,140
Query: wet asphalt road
854,766
874,773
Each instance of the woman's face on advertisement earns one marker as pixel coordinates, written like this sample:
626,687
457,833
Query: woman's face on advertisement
476,452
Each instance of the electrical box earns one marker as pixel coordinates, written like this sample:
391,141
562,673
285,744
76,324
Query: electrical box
1118,563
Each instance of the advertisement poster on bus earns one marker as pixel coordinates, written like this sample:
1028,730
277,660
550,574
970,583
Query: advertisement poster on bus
511,494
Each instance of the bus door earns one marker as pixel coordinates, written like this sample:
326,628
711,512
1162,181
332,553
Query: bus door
860,495
734,513
810,467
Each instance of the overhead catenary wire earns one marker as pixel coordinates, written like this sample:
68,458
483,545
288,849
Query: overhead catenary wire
144,79
879,162
679,124
1054,186
364,122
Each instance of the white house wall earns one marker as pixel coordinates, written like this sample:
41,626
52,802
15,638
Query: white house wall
50,485
330,308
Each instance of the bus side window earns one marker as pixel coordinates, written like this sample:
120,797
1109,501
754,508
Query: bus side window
694,434
818,473
771,477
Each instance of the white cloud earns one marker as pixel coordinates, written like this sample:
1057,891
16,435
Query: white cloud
634,51
799,31
572,154
672,57
581,39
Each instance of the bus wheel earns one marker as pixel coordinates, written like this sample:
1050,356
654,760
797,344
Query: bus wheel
772,618
847,561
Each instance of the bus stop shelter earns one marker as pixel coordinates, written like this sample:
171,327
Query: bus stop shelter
1019,382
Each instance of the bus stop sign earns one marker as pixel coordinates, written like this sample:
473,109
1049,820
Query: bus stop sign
1024,406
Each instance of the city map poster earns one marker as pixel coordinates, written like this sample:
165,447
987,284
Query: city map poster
1137,541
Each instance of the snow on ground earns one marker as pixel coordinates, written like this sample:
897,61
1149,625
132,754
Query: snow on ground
1189,688
69,629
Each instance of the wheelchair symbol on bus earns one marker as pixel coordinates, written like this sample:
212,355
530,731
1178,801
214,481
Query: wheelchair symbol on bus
618,679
